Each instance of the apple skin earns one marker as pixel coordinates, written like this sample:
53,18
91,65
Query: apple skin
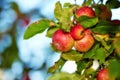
62,41
115,21
84,44
77,32
103,74
85,11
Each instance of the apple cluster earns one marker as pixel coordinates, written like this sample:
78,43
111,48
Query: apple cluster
78,37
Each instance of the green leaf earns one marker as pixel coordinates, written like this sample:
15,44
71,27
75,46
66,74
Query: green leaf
114,68
88,2
61,76
81,65
51,31
57,66
89,71
100,54
64,76
116,42
113,4
68,4
104,27
65,19
9,55
58,10
87,22
72,55
63,15
91,52
76,76
116,45
36,27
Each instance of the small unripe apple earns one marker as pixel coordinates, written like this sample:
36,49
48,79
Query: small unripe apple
84,44
77,32
103,74
85,11
62,41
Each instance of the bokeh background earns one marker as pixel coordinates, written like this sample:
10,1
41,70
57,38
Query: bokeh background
29,59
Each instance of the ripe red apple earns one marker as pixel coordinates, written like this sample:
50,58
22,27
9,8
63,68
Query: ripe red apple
77,32
115,21
26,76
62,41
26,21
85,11
84,44
103,74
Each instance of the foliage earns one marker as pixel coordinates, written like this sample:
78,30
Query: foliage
104,51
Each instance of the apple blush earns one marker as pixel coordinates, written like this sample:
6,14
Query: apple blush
62,41
77,32
84,44
85,11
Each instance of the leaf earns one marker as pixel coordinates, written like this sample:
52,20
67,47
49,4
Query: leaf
9,55
116,42
81,65
116,45
104,27
114,68
72,55
36,27
87,22
64,76
57,66
100,54
91,52
51,31
76,76
63,15
61,76
113,4
102,41
65,19
58,10
88,2
68,4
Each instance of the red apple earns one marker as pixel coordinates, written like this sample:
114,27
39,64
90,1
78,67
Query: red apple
62,41
26,21
85,11
25,76
103,74
84,44
115,21
77,32
103,12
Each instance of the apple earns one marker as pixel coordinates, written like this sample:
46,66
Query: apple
103,74
115,21
26,76
77,32
62,41
103,12
85,11
84,44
